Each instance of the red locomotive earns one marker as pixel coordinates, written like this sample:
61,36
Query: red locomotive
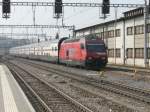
87,52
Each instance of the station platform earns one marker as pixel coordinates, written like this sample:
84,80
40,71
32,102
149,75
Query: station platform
12,97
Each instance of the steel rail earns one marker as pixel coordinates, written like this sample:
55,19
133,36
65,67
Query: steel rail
14,72
71,100
106,85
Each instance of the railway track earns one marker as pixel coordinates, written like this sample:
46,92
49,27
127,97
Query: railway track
46,97
118,88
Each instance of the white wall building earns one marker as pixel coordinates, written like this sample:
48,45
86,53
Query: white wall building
124,38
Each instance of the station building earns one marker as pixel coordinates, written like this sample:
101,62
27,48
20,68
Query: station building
124,38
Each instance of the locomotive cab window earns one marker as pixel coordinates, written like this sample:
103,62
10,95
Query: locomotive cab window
96,48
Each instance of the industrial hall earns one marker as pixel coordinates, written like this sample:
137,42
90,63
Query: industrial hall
124,38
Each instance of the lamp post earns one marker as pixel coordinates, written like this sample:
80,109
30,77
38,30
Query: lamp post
145,34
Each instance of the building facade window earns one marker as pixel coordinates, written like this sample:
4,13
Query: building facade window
130,31
105,34
139,29
118,53
117,33
110,52
129,53
110,34
139,52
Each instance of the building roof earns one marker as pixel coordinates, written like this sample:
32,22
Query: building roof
101,24
127,15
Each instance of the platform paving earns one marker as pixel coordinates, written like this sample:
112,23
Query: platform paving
12,98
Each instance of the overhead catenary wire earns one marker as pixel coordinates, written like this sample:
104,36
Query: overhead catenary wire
76,14
73,4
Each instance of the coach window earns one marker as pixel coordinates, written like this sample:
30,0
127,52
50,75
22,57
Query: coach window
130,31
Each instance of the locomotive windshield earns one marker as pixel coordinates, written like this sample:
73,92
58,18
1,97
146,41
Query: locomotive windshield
96,47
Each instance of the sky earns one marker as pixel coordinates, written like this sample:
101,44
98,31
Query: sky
80,17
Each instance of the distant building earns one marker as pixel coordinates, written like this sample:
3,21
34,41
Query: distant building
124,38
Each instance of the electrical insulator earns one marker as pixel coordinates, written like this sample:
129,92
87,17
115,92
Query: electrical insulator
6,8
106,7
38,40
57,36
